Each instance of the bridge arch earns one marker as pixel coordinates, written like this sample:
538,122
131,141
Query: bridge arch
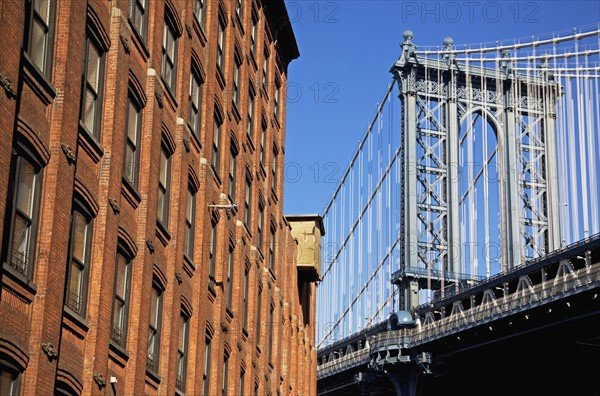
480,192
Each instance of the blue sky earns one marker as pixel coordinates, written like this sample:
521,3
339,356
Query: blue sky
346,50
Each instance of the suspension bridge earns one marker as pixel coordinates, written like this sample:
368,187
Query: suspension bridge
467,223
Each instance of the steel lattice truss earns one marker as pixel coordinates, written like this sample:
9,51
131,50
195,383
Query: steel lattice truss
431,172
490,162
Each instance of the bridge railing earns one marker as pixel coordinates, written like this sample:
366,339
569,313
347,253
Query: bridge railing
510,304
460,287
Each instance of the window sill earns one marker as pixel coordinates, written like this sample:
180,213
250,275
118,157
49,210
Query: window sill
37,81
89,144
152,378
252,61
220,77
212,294
130,193
18,283
139,42
171,99
247,230
117,353
274,195
162,233
75,322
188,266
236,113
275,121
195,138
240,23
234,210
229,315
199,32
263,92
261,256
216,176
262,171
250,143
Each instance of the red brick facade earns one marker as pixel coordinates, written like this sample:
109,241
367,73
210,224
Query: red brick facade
118,117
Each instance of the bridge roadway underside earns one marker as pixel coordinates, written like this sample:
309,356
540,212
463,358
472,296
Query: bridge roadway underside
553,349
520,356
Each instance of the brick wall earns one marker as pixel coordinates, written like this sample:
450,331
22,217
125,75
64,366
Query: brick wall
49,346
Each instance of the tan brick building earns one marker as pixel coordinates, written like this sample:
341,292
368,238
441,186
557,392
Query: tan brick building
144,249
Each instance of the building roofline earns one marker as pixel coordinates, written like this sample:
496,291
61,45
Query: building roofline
308,217
281,27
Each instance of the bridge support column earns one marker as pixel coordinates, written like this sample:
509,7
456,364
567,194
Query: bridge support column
511,256
452,182
405,382
553,205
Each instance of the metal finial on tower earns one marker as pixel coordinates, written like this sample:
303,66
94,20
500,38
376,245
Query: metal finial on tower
408,48
448,43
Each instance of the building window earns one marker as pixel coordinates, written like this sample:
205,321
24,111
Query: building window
216,143
230,263
138,15
233,153
91,104
261,224
40,34
236,80
79,262
253,34
24,216
272,249
270,342
132,145
221,40
258,318
190,221
169,53
200,12
10,381
246,296
154,327
248,201
195,101
121,301
242,375
265,77
213,256
164,173
276,101
184,320
207,350
263,142
274,169
225,373
250,126
239,9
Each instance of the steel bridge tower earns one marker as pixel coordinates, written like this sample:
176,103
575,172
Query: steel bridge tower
476,141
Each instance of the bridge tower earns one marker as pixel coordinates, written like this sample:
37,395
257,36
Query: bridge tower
479,175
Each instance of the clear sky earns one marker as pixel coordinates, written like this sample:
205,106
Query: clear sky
346,50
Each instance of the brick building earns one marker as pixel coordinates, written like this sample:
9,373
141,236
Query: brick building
143,245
